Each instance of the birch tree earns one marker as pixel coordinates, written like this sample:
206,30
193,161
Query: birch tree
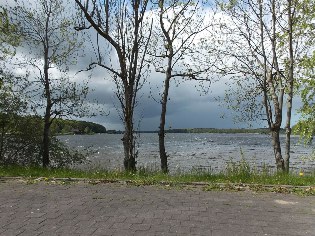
260,47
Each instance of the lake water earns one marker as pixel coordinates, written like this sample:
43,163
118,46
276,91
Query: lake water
191,151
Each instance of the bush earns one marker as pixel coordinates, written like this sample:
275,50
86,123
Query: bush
23,146
62,156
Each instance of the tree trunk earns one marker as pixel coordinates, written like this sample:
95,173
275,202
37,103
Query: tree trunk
163,155
290,91
287,148
128,142
128,138
46,140
275,135
2,144
47,122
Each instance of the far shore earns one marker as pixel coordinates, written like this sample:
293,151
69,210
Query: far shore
200,131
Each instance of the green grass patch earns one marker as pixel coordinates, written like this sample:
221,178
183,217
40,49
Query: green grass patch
235,173
237,176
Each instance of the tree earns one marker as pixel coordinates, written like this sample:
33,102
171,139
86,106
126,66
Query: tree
259,47
306,125
177,53
47,31
12,104
122,25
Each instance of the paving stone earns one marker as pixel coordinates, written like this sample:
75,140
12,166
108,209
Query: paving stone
140,227
12,232
117,209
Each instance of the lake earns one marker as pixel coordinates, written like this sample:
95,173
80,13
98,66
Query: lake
191,151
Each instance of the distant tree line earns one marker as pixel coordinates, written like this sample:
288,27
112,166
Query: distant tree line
61,126
219,131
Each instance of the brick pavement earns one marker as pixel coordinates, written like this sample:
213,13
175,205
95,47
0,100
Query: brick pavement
47,208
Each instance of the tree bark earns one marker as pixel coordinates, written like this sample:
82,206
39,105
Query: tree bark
46,132
128,143
275,135
290,90
2,144
46,141
47,122
163,155
128,138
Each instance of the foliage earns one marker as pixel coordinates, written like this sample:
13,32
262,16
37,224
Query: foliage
51,45
23,145
48,25
12,104
306,125
259,49
61,126
305,128
49,58
62,156
9,38
21,135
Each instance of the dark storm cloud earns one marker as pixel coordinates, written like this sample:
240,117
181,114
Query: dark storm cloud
187,107
183,103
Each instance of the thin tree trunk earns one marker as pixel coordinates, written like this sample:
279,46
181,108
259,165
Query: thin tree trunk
2,144
168,75
163,155
47,122
46,141
290,91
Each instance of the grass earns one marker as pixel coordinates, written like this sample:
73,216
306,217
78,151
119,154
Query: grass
235,173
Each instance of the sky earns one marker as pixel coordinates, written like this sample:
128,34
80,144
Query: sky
187,107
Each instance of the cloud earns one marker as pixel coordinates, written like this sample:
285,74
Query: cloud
188,107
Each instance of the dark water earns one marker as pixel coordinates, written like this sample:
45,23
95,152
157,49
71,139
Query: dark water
191,151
